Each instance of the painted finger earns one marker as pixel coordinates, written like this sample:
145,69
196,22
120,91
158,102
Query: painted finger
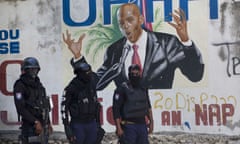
81,37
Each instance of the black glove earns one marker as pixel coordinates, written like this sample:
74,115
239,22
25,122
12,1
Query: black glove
121,140
100,134
98,111
69,134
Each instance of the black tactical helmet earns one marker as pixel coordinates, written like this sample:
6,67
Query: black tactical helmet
81,67
30,62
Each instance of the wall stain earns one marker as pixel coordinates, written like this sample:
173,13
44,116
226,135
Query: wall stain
13,23
230,21
223,9
11,1
41,16
49,26
231,125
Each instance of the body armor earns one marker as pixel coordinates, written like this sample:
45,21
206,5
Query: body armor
136,104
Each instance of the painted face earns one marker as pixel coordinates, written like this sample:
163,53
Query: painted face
130,22
135,78
135,73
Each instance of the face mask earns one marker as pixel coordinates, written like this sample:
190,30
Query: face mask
33,72
84,76
135,80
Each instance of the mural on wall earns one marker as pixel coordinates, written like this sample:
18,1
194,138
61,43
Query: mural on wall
187,106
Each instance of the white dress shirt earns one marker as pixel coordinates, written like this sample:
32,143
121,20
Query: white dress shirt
142,42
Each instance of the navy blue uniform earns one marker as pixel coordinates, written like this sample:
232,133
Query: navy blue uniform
29,98
80,100
131,105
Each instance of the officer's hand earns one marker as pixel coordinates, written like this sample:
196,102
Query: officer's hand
38,127
69,134
50,129
150,127
119,132
72,139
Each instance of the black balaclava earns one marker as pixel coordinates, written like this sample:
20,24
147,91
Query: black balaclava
32,72
134,75
85,76
83,72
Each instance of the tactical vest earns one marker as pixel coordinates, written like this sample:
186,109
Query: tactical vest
36,100
83,102
136,103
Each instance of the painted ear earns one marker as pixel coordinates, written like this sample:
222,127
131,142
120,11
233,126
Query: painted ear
141,19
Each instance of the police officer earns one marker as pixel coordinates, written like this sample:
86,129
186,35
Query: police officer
80,100
131,108
31,101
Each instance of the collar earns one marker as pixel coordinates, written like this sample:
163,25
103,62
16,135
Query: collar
141,39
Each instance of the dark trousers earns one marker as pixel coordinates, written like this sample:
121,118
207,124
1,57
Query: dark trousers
135,134
86,133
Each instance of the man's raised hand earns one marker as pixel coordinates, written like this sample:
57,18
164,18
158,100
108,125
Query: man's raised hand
180,24
74,47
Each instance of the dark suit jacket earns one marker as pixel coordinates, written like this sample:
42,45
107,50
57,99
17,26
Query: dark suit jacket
164,54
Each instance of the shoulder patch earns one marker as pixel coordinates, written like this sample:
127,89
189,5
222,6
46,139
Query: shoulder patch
18,96
116,96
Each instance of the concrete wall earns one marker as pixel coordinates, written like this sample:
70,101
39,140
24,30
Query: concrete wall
34,28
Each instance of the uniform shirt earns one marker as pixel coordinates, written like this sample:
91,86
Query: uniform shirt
71,97
22,88
118,102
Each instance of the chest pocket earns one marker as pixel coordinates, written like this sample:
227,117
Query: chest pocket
136,103
35,101
83,103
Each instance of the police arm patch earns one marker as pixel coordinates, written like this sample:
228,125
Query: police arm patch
18,96
116,96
